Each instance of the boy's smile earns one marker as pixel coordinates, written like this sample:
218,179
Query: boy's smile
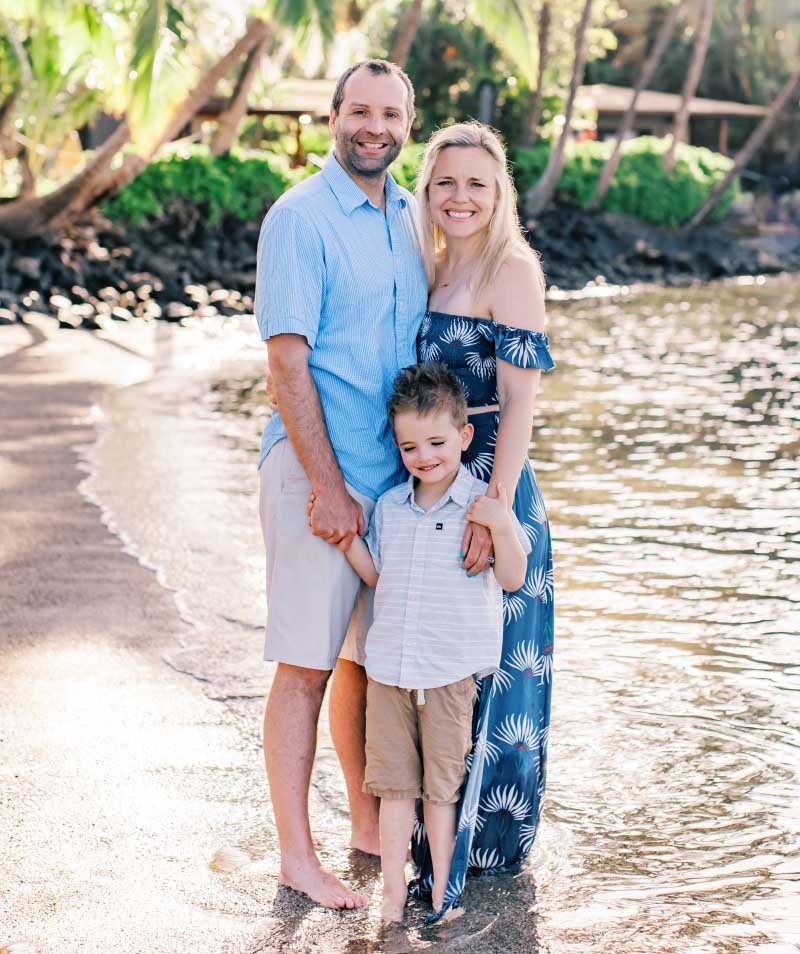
431,447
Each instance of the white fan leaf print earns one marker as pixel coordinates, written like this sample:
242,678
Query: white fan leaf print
461,332
527,833
537,517
526,659
521,349
513,607
509,800
468,818
486,329
481,466
482,367
501,680
429,350
539,585
520,733
486,859
454,888
425,327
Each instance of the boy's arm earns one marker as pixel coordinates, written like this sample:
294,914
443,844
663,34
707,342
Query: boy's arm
510,559
361,561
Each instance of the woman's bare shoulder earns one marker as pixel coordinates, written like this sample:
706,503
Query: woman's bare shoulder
516,297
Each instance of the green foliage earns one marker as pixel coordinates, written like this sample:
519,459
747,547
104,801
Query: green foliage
640,187
237,185
407,165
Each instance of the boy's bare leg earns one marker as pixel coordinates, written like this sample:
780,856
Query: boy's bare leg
440,825
290,739
348,703
396,826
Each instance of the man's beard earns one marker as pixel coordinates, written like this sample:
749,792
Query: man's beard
364,165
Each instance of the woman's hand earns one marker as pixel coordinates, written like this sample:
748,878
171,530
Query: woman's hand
476,545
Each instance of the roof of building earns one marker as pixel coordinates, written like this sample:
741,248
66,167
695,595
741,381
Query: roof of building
615,99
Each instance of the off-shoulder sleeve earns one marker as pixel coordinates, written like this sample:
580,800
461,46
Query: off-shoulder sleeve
524,348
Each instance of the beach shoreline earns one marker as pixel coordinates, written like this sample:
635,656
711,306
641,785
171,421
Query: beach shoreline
132,742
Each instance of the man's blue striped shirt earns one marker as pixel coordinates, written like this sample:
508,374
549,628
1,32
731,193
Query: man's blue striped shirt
335,269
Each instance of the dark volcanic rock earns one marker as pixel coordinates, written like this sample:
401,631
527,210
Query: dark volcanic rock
183,266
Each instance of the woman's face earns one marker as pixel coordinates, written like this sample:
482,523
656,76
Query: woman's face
462,193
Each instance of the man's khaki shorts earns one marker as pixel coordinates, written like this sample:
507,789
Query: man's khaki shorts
314,597
418,751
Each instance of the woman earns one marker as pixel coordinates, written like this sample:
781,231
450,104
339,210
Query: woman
485,321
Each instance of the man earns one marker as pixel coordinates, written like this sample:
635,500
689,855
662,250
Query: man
340,296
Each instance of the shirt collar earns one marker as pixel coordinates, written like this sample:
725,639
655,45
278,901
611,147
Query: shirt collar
349,195
460,491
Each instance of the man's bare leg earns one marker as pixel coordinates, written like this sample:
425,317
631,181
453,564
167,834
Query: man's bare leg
290,740
348,703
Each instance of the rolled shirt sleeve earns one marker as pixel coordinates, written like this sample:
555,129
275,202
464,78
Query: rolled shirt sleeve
372,537
291,276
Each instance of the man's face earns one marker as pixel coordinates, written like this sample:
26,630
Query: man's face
372,124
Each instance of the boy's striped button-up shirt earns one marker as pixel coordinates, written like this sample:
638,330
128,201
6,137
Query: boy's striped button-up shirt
433,624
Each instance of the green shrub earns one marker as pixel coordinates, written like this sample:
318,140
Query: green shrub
241,185
406,166
640,187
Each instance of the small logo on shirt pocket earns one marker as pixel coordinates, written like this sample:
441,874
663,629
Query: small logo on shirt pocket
440,526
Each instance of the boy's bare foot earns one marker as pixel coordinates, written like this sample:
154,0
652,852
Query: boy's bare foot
321,886
393,907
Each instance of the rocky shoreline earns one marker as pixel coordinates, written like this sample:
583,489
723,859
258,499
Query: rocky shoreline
183,266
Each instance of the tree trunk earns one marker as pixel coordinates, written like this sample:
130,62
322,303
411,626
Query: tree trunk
680,131
530,129
649,67
408,30
26,217
230,120
744,155
536,199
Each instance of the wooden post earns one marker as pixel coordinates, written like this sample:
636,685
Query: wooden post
723,135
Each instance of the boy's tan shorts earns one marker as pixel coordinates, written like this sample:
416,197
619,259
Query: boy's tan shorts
418,751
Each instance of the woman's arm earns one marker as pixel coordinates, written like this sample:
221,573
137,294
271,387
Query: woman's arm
517,299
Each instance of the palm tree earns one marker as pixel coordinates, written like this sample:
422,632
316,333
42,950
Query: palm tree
32,215
230,119
646,73
744,155
537,198
408,30
531,123
680,130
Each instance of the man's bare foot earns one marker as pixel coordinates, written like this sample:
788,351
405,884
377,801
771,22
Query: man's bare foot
321,886
366,841
393,907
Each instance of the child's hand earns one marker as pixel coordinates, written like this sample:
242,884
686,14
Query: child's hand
491,512
310,506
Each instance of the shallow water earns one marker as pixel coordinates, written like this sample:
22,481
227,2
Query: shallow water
667,450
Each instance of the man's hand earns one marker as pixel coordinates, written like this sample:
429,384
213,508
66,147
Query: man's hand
336,517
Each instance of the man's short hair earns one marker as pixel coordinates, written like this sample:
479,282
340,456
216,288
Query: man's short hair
426,388
377,68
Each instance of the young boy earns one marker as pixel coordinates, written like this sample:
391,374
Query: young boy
434,626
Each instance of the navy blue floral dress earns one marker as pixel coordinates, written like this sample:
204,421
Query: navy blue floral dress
501,803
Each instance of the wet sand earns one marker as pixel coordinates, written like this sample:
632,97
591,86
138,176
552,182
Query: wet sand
126,766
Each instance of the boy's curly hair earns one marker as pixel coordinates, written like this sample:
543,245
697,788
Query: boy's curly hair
428,387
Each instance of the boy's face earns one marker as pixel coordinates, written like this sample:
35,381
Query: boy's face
431,445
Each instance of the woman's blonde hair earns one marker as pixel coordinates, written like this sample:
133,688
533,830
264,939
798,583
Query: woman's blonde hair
505,233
